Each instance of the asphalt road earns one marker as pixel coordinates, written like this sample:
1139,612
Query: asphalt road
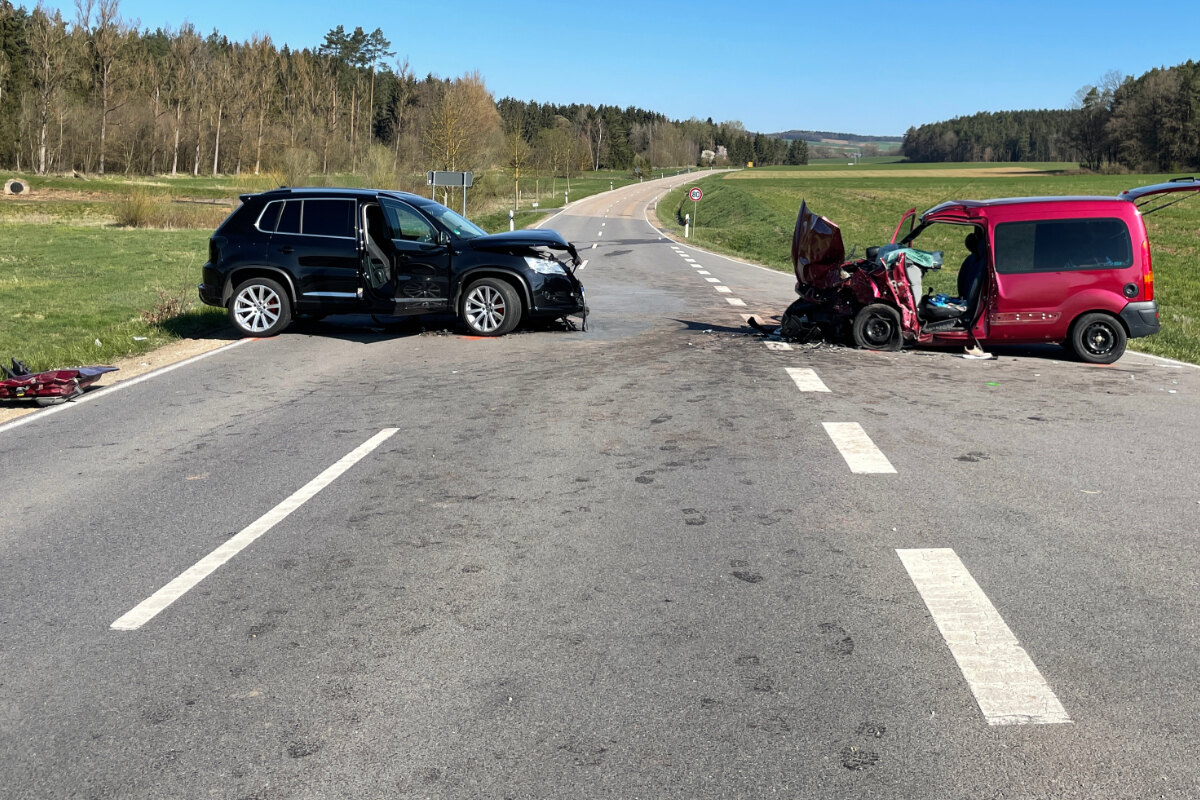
628,563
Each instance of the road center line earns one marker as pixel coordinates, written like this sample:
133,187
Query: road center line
861,454
146,610
713,280
1007,685
584,264
723,289
703,272
735,301
806,380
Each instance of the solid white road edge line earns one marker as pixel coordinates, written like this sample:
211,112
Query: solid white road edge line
1007,685
861,454
806,379
116,387
146,610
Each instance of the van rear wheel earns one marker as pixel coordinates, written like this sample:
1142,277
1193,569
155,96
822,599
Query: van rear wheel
1098,338
877,327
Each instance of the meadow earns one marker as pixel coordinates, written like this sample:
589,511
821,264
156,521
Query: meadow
751,214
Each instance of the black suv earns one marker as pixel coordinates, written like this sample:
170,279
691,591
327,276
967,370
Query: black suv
316,252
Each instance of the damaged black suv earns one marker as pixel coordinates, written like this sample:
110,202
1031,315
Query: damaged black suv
318,252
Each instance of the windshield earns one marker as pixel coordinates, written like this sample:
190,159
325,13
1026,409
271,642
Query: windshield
458,225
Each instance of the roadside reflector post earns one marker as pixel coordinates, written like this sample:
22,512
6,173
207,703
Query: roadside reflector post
687,225
510,220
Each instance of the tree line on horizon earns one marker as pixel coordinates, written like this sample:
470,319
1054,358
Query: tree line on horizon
1147,124
96,95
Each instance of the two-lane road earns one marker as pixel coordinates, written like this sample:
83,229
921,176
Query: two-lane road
655,559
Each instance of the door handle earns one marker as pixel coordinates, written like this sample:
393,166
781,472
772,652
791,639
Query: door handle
286,249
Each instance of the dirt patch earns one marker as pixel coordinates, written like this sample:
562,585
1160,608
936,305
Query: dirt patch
129,368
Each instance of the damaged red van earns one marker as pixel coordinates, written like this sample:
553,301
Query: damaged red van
1071,270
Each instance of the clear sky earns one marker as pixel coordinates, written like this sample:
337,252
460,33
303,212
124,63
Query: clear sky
871,67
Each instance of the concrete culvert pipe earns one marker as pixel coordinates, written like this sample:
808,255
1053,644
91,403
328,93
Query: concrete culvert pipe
15,186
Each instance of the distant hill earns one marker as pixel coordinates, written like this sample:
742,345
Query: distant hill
828,137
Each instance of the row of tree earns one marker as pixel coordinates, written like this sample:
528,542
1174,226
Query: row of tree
1150,123
95,94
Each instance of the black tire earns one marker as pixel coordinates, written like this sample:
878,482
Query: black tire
1098,338
877,327
260,307
490,307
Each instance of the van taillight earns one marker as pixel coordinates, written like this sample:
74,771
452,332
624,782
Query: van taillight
1147,270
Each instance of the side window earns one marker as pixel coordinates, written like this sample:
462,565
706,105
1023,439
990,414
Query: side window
327,218
1061,245
407,224
270,216
289,220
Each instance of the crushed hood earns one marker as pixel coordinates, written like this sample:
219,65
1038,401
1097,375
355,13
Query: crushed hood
511,241
817,250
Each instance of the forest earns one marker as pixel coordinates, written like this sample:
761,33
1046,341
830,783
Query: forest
1145,124
92,94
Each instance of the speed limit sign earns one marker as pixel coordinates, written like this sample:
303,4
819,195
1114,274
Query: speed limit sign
695,194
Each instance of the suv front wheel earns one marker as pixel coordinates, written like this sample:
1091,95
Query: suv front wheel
490,307
260,307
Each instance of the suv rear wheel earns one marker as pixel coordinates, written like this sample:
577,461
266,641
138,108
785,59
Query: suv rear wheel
1098,338
260,307
490,307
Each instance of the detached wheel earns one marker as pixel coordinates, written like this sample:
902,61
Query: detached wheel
1098,338
260,307
877,327
490,307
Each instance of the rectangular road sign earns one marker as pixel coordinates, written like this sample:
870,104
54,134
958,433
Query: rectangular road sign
441,178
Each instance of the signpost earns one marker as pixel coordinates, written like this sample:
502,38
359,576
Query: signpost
436,178
695,193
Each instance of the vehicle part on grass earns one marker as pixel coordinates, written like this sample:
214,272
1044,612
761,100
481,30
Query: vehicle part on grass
48,388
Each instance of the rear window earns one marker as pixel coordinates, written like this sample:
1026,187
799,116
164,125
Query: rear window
310,217
1062,244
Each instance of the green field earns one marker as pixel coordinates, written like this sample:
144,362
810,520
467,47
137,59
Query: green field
751,214
77,288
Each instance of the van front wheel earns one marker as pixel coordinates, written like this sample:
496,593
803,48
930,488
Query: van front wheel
877,327
1098,338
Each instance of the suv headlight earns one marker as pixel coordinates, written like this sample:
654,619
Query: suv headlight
545,266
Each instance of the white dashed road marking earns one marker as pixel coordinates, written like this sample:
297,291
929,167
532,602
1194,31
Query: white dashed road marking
713,280
806,380
584,264
777,345
734,301
861,454
593,245
704,272
145,611
723,289
1007,685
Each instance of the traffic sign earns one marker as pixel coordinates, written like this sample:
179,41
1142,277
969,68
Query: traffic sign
695,194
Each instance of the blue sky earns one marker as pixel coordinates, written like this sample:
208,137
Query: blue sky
870,67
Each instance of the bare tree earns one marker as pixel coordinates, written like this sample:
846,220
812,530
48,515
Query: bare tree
105,37
49,45
462,125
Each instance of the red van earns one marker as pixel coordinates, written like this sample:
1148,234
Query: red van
1072,270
